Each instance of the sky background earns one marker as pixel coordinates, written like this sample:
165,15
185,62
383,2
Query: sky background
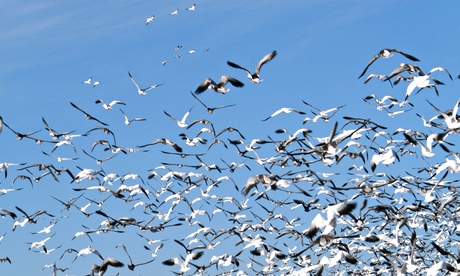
48,50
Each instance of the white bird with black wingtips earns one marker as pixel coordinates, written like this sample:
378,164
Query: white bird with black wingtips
255,77
142,91
208,83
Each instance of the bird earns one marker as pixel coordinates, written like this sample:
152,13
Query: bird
101,269
5,259
403,67
180,123
164,141
128,122
210,110
387,157
208,83
386,53
285,110
110,105
175,12
88,81
267,179
255,77
142,91
192,8
131,265
87,116
149,20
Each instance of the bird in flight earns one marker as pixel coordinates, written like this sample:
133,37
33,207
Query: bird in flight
255,77
211,110
149,20
144,90
89,117
208,83
386,53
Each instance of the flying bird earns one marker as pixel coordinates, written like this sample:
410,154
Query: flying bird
180,123
285,110
142,91
255,77
210,110
110,105
149,20
208,83
165,142
386,53
128,121
87,116
100,270
192,8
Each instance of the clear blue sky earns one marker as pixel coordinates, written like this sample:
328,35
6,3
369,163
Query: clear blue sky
49,48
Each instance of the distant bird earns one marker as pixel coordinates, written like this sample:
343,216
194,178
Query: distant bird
164,62
5,259
87,116
175,12
210,110
96,83
323,114
387,157
110,105
128,122
208,83
285,110
100,270
144,90
403,67
131,265
88,81
149,20
266,179
440,69
192,8
386,53
180,123
165,142
255,77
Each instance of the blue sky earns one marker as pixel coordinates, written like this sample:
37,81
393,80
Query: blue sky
48,50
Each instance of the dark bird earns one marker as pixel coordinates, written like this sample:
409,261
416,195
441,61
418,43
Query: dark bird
89,117
165,142
208,83
131,265
100,270
386,53
255,77
211,110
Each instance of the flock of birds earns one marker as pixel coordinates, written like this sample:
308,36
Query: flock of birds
311,204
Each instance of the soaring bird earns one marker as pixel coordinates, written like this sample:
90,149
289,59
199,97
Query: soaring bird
208,83
164,141
144,90
386,53
255,77
211,110
285,110
149,20
87,116
110,105
100,270
180,123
